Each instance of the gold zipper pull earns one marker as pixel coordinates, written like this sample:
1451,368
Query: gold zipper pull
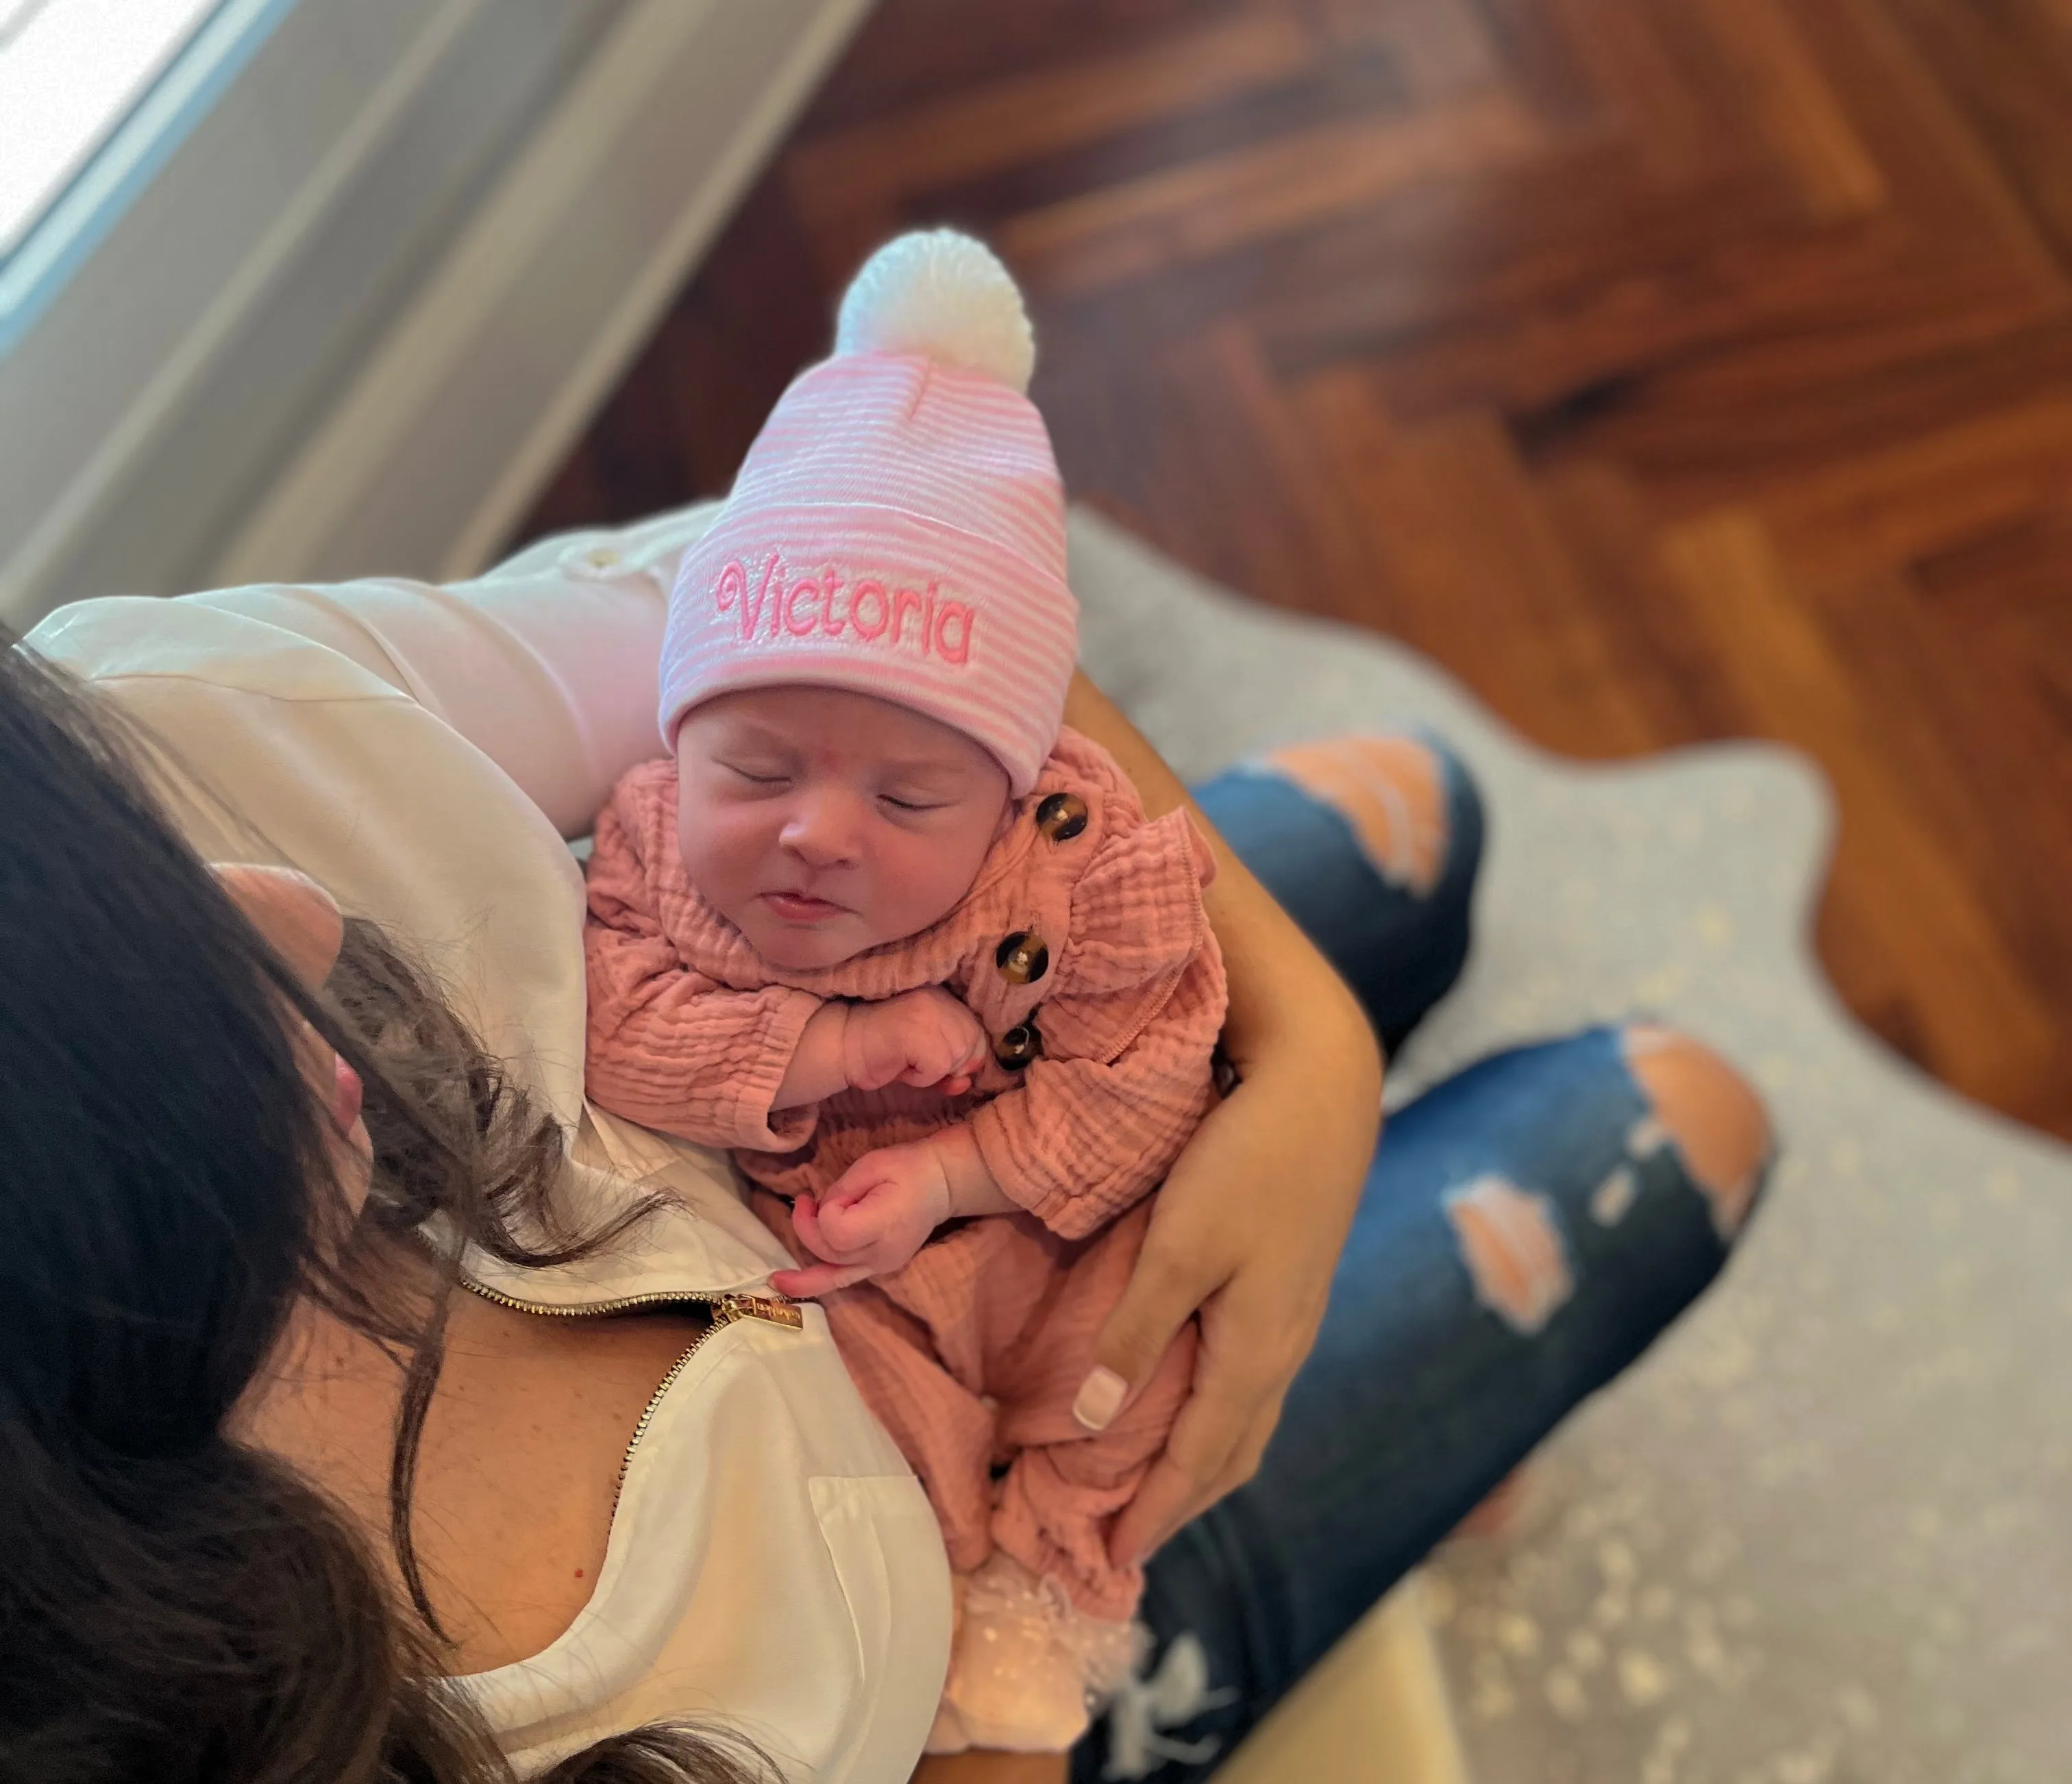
729,1308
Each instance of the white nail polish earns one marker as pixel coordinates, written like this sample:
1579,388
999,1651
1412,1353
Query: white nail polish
1100,1398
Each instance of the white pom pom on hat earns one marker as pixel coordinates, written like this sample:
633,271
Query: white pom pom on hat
940,294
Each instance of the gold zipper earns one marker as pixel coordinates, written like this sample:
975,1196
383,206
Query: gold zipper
626,1303
725,1309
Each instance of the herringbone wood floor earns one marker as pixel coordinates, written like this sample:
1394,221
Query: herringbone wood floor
1667,369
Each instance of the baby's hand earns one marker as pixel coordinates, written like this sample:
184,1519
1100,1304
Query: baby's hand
871,1219
920,1038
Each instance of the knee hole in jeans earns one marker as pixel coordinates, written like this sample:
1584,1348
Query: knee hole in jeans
1711,1113
1393,792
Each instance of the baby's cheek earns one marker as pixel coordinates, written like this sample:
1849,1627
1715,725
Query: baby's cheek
721,847
925,876
918,885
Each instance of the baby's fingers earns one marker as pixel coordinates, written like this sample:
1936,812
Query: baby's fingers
848,1227
962,1073
851,1187
954,1083
865,1175
822,1278
806,1223
816,1279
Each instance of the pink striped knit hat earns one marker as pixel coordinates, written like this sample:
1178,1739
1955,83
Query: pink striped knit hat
898,527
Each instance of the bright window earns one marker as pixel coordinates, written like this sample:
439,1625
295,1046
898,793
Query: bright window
70,72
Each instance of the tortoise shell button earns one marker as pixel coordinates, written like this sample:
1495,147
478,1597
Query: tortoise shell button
1022,957
1062,816
1018,1048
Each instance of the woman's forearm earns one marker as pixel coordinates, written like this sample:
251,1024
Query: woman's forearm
551,676
1246,1233
1278,980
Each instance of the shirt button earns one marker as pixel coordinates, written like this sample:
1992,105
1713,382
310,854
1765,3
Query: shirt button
1018,1048
1062,816
600,557
1022,957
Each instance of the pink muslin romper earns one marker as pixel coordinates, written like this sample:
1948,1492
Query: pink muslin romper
1083,950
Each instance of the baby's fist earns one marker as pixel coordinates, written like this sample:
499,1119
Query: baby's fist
871,1220
920,1038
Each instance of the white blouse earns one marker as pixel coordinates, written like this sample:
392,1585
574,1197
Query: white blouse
772,1564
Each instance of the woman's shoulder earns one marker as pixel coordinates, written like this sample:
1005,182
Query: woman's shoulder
283,745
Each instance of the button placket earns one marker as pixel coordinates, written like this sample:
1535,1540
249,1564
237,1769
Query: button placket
1062,816
1022,957
1020,1048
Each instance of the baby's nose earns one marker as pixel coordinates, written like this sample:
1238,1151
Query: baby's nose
823,831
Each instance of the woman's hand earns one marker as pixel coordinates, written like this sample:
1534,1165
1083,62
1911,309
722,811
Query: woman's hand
1248,1229
1247,1232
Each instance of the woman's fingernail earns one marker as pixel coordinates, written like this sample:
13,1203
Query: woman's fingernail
1101,1399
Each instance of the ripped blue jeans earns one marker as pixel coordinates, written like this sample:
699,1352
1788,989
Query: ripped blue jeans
1527,1228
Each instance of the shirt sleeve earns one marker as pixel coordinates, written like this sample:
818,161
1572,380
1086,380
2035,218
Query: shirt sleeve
420,751
547,664
668,1047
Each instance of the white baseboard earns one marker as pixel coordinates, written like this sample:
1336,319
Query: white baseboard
464,407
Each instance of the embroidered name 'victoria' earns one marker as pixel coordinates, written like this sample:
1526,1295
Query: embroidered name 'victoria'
831,606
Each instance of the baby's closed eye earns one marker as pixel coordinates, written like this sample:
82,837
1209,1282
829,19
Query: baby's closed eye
758,774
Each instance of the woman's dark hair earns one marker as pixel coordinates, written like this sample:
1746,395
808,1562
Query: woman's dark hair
175,1605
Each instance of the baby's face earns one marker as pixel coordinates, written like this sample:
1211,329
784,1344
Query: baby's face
821,823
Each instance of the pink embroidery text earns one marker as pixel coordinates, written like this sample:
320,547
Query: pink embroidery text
776,605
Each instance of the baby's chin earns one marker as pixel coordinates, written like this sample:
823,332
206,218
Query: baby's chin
799,947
